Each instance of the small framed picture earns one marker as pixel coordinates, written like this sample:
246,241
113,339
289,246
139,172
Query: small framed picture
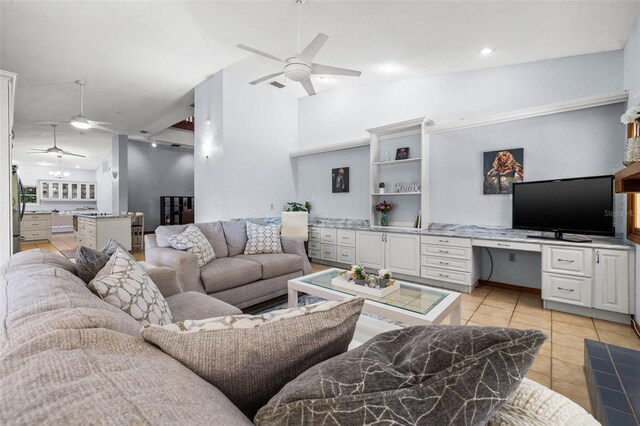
402,153
340,180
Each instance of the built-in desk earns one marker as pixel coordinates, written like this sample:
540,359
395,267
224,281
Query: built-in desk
593,279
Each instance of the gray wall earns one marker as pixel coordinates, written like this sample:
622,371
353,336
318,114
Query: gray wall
154,172
587,142
313,183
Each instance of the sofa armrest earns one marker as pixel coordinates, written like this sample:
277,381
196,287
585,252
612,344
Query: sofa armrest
166,279
294,246
185,264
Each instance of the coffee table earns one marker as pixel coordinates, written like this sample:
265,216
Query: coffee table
412,304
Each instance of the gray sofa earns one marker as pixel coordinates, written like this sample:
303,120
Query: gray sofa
239,279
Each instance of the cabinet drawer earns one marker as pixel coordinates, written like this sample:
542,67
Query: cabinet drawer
328,252
446,241
315,253
328,235
567,260
39,217
447,251
567,289
346,237
35,234
444,275
314,245
314,234
35,224
446,263
89,242
346,255
90,231
507,245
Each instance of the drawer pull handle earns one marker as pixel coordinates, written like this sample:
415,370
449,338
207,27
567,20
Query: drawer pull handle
443,251
504,245
566,289
444,241
566,260
345,238
327,252
345,255
444,275
443,263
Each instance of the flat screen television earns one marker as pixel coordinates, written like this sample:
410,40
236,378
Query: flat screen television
577,206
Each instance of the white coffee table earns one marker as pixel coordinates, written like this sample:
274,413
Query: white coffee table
412,304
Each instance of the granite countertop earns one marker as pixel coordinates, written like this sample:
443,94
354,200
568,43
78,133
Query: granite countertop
109,216
471,231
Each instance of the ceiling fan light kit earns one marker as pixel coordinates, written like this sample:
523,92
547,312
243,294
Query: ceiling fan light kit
299,67
79,122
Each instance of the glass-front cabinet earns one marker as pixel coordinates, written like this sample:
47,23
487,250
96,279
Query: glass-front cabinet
67,191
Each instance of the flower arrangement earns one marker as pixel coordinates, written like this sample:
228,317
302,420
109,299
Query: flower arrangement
384,273
631,115
384,207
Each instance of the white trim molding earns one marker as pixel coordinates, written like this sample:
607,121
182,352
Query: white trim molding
330,148
554,108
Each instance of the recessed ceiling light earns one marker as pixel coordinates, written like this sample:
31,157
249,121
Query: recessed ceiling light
153,144
326,79
77,166
389,68
486,51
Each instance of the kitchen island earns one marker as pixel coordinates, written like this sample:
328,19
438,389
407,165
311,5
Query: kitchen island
94,231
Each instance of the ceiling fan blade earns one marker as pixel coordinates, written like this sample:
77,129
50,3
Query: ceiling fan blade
313,48
259,52
308,86
104,129
326,69
47,123
71,154
99,122
38,151
266,77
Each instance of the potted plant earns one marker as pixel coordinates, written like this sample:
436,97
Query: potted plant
357,275
381,187
384,208
384,278
299,207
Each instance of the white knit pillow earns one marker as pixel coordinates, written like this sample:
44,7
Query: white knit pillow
193,241
263,239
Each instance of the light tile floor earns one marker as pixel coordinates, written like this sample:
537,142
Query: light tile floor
559,364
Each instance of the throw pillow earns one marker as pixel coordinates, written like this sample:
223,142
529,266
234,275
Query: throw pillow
89,262
249,358
434,375
193,241
125,284
111,247
263,239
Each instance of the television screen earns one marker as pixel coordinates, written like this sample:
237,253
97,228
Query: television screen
580,206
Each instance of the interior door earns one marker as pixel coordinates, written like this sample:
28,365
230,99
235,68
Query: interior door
403,254
370,249
611,287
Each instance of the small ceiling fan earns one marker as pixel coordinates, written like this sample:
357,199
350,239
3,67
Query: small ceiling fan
299,67
80,121
54,150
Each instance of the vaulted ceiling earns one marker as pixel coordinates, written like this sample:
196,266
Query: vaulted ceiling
142,59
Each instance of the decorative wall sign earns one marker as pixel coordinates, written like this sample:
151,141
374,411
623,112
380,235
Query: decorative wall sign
408,187
402,153
340,180
502,169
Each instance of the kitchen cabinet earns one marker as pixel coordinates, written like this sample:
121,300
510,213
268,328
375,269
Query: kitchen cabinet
611,281
67,191
370,249
400,253
95,232
333,245
36,227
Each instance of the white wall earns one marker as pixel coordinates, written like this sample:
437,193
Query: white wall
313,183
343,115
104,183
253,130
586,142
30,175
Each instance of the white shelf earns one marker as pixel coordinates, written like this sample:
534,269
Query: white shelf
385,163
395,193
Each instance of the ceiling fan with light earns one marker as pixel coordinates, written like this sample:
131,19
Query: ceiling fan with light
299,67
54,150
80,121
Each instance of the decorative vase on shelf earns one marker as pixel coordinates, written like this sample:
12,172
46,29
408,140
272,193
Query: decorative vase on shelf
632,151
384,219
380,190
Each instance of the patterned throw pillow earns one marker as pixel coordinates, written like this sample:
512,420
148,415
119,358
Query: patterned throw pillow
250,358
193,241
263,239
89,262
433,375
124,284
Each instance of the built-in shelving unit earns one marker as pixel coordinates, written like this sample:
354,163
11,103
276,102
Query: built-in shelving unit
176,210
384,142
628,179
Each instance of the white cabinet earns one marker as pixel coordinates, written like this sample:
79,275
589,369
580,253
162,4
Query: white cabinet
370,249
36,227
448,259
611,281
332,245
58,190
573,290
95,232
400,253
